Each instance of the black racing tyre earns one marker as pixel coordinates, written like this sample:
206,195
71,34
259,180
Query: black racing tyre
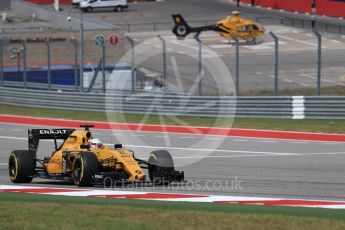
160,162
21,166
118,9
84,168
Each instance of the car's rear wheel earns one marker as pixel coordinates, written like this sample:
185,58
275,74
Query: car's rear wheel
118,9
160,166
21,166
84,168
89,9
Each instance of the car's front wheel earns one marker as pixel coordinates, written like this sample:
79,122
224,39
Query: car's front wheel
84,168
160,167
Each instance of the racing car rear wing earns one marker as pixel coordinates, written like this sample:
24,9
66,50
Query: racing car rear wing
34,135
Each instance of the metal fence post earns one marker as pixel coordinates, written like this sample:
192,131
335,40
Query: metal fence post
281,20
276,63
81,65
196,37
131,42
2,64
237,83
75,45
319,49
49,79
103,68
313,22
164,75
25,78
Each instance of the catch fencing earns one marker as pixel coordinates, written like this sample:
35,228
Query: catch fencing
54,63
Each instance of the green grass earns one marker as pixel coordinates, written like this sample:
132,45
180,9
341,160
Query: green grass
308,125
30,211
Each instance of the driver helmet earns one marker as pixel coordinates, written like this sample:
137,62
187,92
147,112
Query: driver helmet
95,144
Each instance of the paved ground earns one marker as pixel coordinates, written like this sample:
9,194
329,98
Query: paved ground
217,165
5,4
297,65
298,57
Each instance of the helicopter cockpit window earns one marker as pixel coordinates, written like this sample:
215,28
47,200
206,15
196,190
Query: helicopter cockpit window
255,27
245,28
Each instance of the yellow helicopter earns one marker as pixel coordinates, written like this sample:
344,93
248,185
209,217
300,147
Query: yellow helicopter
229,27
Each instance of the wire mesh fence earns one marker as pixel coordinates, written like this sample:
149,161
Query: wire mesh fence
145,62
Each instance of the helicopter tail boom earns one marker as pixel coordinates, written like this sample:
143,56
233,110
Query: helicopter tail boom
182,29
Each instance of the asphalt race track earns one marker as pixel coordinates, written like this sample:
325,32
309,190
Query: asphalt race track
219,165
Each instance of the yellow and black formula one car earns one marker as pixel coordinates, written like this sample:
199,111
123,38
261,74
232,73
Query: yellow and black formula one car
75,160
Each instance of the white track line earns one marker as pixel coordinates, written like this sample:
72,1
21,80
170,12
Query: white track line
323,80
336,41
14,138
16,130
208,150
213,139
298,142
183,197
251,153
190,137
299,41
230,151
241,140
196,149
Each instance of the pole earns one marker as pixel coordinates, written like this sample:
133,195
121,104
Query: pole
2,64
164,76
49,65
81,65
18,62
313,22
24,64
196,37
75,44
237,83
103,68
319,49
132,63
276,62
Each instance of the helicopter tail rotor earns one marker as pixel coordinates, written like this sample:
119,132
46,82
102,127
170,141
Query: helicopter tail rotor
181,28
